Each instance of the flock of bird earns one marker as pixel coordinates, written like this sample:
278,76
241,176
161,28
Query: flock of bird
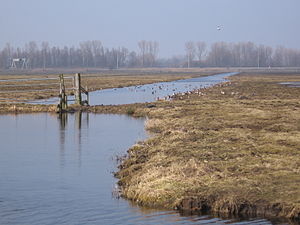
164,91
168,91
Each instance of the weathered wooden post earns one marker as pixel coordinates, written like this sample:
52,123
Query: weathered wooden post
59,106
85,91
87,98
63,101
78,99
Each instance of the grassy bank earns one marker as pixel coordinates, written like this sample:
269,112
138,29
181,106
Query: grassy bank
232,149
26,108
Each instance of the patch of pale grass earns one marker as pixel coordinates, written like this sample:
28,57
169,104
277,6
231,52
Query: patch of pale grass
156,183
153,124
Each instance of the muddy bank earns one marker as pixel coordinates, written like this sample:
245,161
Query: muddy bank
232,149
242,208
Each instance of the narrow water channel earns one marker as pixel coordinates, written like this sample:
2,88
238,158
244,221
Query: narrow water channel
59,171
153,92
148,92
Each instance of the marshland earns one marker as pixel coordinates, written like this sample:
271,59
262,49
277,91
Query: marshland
229,150
150,112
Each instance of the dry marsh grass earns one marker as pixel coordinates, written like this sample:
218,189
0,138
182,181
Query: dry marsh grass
234,150
26,108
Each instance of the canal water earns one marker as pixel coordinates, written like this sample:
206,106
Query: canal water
291,84
59,171
148,92
153,92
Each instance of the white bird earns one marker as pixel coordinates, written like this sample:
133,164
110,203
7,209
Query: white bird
219,27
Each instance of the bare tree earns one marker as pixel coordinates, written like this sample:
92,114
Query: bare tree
45,49
97,51
278,58
143,49
153,51
236,54
268,52
6,55
133,60
123,54
149,51
32,50
201,47
190,52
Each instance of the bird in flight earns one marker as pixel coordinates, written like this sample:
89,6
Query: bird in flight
219,27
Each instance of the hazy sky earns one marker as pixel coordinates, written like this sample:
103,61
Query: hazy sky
170,22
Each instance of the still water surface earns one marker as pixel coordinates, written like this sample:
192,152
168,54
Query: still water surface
152,92
146,93
59,171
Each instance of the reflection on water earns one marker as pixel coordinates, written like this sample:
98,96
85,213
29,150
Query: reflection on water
58,170
79,119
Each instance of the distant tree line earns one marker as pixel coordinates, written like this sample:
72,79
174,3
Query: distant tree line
88,54
93,54
245,54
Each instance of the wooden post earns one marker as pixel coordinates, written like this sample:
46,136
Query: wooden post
78,99
59,106
87,96
60,94
87,99
63,101
64,96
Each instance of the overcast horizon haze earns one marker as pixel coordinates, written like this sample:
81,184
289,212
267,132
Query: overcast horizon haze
170,22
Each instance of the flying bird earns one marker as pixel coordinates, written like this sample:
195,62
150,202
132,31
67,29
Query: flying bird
219,27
